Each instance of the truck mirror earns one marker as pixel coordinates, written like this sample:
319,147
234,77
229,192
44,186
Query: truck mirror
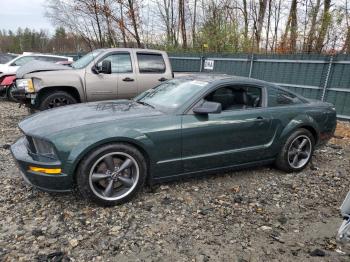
106,67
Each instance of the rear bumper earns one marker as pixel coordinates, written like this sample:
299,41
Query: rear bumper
45,182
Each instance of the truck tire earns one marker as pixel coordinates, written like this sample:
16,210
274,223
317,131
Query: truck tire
56,99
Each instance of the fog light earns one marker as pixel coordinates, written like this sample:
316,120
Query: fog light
45,170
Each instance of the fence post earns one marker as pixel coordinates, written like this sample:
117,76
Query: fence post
251,65
327,78
201,64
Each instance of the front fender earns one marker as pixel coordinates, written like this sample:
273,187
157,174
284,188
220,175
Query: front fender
45,80
75,147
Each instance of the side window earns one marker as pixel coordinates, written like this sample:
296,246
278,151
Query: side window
279,97
121,63
236,97
23,60
151,63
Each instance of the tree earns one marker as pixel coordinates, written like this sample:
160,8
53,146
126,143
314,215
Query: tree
326,20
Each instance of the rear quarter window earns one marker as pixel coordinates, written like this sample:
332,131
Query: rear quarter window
279,97
150,63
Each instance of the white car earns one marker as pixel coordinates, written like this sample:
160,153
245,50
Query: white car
11,67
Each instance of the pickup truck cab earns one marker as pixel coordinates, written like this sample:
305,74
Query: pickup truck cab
103,74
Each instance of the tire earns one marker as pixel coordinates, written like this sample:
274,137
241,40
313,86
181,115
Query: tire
9,93
111,188
299,146
56,99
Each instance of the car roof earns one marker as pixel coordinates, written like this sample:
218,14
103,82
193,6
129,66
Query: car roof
217,78
130,49
39,54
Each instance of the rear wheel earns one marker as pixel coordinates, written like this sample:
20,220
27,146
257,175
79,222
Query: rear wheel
297,151
112,174
56,99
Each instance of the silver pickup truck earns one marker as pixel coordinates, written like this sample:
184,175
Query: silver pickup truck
103,74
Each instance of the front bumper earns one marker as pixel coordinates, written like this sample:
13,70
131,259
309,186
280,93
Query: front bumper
19,94
54,183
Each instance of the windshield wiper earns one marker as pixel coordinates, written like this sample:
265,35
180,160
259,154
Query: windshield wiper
145,104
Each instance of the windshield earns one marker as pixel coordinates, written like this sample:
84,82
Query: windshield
86,59
171,94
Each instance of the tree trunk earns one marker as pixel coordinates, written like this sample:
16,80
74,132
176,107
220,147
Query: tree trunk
122,24
194,24
293,26
246,25
326,18
312,32
268,26
134,22
182,24
289,44
260,21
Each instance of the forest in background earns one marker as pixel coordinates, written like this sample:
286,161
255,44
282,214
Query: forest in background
259,26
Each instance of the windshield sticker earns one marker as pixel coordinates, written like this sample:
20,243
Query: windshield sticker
199,83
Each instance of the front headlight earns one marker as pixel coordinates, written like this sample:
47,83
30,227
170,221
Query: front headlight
41,147
26,84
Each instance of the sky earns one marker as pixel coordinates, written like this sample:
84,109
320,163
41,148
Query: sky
24,13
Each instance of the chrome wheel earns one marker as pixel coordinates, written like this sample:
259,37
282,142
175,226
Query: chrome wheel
114,176
299,151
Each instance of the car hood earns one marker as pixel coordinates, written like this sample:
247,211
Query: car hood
51,121
39,66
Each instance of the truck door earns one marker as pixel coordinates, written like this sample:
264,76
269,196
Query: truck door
127,78
152,69
101,86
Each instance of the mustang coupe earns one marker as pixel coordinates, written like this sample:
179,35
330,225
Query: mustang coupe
188,126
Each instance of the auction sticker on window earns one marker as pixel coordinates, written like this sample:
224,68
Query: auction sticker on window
208,64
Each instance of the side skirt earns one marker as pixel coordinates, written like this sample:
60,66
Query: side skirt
205,172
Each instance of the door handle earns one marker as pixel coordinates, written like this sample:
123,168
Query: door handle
260,118
162,79
128,79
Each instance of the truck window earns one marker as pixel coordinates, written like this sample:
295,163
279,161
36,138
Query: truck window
150,63
121,63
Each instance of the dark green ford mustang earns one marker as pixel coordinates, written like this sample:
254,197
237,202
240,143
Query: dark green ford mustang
184,127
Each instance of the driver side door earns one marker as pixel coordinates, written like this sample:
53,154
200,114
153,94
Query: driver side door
239,134
100,86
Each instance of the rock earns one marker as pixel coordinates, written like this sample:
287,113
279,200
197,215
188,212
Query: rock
6,146
37,232
265,228
73,242
201,258
282,219
317,253
238,199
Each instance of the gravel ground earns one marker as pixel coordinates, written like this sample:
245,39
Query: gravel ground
258,214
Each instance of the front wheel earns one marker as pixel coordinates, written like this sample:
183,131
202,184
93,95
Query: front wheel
297,151
56,99
112,174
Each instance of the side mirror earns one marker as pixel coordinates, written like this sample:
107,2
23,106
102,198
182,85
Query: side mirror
208,108
106,67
